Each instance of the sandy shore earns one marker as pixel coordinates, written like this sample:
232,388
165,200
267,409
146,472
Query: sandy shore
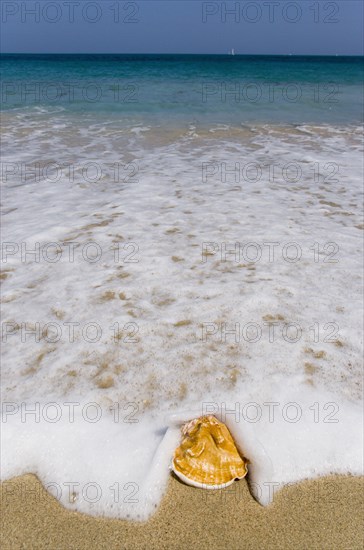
326,513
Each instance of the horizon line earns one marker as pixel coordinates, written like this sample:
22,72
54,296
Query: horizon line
164,53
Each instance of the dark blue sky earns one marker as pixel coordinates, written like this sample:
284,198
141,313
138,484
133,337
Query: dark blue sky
183,26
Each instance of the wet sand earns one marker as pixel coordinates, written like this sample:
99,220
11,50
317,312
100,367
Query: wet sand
325,513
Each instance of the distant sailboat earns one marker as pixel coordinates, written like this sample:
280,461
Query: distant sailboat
232,52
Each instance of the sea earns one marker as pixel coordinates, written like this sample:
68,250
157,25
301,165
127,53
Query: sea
181,235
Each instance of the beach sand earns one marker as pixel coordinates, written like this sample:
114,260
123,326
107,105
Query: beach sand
317,514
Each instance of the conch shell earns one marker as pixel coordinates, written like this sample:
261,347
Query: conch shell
207,456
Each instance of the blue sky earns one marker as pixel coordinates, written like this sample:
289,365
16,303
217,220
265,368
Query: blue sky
183,26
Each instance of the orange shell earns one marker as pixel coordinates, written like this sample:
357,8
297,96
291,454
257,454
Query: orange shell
207,456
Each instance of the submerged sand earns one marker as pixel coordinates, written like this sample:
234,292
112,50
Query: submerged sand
316,514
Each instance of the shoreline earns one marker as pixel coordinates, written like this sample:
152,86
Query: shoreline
323,513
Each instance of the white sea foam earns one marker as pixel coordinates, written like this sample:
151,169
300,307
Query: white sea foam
161,368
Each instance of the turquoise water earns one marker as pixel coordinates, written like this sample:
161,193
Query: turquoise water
186,89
